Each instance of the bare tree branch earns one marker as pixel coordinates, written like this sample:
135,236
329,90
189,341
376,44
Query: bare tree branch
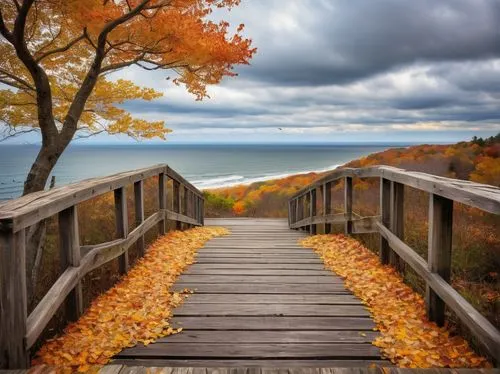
61,49
24,84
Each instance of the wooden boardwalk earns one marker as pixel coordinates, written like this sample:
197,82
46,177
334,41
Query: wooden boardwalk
262,300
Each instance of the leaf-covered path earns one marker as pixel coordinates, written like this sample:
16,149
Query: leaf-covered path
136,310
260,299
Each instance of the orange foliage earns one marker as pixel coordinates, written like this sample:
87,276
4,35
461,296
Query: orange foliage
407,338
136,310
77,41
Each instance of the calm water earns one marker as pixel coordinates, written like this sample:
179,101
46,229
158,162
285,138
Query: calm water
205,166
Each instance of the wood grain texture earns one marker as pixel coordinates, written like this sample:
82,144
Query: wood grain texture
260,296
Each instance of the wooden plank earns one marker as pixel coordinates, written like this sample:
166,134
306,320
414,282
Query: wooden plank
180,218
254,251
439,252
176,202
232,260
70,256
263,279
289,310
13,301
263,350
348,205
139,213
473,194
268,299
397,221
110,369
121,224
28,210
261,288
162,201
312,210
193,270
278,266
254,366
244,256
385,212
276,337
327,204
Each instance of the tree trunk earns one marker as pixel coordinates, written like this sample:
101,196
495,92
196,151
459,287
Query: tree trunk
35,239
42,167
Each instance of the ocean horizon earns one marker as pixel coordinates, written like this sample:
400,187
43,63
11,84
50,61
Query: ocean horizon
206,166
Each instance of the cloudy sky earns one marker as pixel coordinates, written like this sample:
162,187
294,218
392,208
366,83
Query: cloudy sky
348,70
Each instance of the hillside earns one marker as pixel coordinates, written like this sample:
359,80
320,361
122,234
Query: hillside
476,235
477,160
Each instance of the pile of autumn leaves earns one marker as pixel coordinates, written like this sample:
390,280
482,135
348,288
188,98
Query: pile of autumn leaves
407,338
136,310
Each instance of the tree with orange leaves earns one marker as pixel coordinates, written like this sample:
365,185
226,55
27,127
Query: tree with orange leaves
57,55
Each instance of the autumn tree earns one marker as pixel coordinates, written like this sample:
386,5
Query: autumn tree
56,61
57,56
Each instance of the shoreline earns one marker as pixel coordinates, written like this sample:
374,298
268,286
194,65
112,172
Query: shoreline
250,180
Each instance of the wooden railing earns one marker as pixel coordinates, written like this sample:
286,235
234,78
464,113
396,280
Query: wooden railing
18,330
302,213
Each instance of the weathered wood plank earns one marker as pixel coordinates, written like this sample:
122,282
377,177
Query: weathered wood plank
277,337
439,252
385,212
176,201
121,224
477,195
255,366
70,256
247,266
261,288
245,256
193,270
13,301
139,213
290,310
275,298
162,201
195,350
232,260
263,279
397,221
348,205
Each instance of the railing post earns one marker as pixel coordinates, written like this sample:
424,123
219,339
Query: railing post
385,212
202,215
397,221
297,211
439,253
289,213
13,299
121,224
139,212
303,202
162,202
70,256
176,201
348,205
185,204
312,210
327,204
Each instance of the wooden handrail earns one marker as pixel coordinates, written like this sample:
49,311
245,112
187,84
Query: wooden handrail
18,331
390,226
